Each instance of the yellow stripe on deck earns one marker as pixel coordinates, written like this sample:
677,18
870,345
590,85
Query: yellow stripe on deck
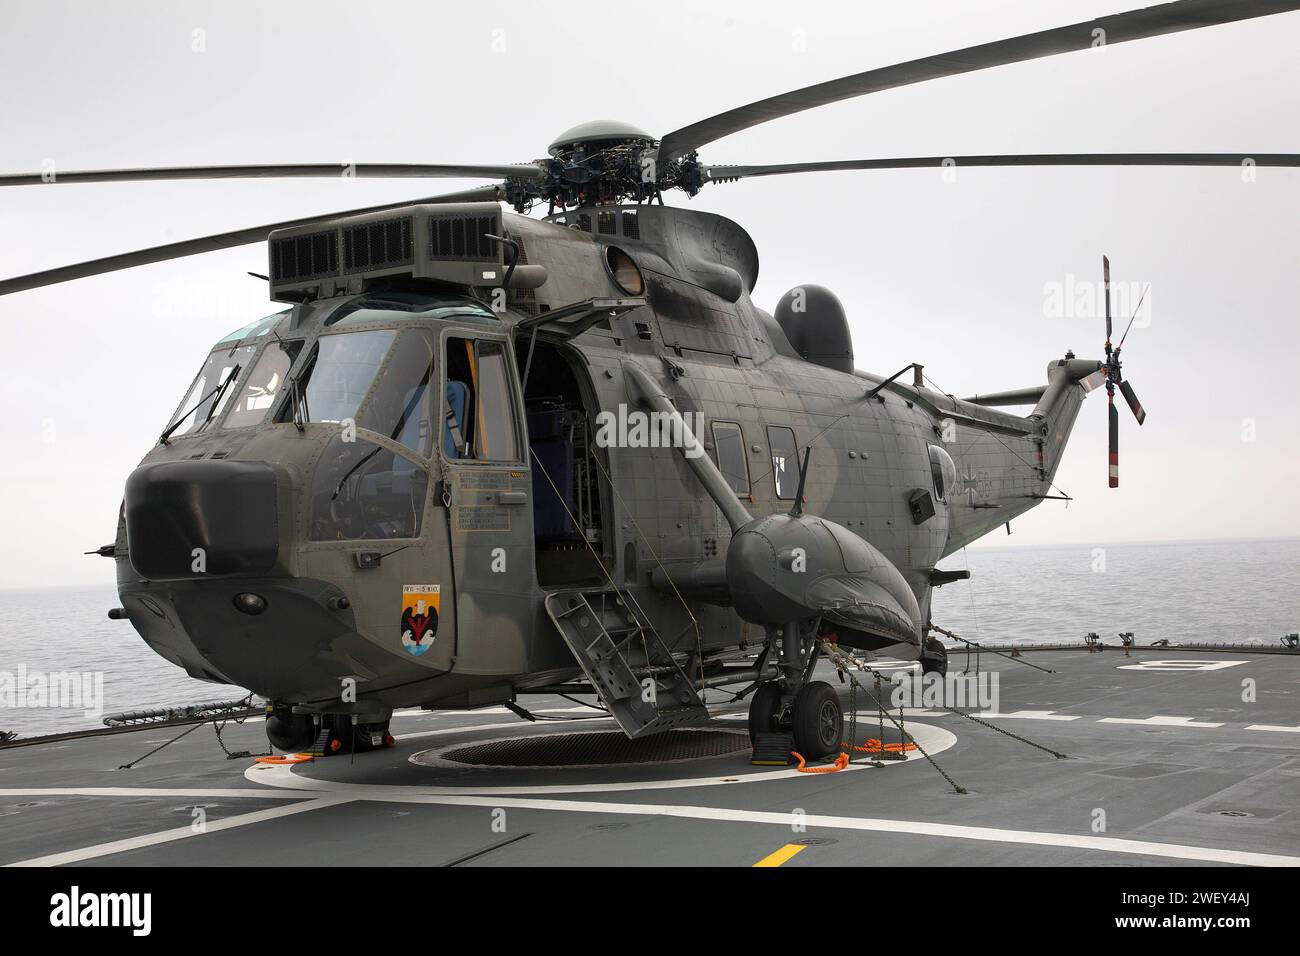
781,855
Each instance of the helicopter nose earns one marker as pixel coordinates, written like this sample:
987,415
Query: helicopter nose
193,519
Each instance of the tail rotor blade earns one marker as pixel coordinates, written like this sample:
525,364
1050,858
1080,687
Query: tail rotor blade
1105,275
1094,381
1130,396
1114,442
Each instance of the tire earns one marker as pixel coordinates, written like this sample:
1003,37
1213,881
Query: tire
818,720
763,707
934,658
290,732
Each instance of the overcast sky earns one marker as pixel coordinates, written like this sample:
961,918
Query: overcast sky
956,275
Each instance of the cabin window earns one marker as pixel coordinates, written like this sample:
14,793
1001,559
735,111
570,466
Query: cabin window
943,472
479,421
785,460
729,441
365,491
262,384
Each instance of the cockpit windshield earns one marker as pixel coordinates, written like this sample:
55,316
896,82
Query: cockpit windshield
262,384
341,373
211,391
404,306
339,385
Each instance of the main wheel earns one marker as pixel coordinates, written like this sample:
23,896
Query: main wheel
934,658
763,707
818,720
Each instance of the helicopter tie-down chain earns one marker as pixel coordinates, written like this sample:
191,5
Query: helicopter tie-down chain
845,664
837,654
979,648
218,722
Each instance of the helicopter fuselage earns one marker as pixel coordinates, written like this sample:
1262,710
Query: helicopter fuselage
386,483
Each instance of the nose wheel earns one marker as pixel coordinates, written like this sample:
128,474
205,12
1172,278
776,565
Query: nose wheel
813,719
817,720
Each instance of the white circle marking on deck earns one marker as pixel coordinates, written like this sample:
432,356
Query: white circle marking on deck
933,739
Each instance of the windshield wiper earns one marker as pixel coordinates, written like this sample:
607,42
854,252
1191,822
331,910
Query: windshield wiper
214,395
338,489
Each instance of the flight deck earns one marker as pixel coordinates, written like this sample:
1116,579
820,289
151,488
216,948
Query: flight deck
1170,756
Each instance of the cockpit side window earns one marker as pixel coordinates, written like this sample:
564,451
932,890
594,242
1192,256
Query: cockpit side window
479,418
364,491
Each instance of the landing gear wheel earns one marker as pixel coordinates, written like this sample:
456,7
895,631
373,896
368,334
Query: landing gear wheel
818,720
763,707
934,657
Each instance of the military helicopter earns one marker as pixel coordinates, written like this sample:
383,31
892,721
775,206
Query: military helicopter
480,455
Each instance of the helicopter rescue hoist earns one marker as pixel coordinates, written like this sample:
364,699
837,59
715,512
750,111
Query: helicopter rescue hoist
479,455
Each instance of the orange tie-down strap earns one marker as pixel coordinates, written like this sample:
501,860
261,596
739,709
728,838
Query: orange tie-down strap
840,763
284,758
872,746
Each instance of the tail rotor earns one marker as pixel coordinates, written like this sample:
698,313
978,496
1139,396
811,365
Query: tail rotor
1111,374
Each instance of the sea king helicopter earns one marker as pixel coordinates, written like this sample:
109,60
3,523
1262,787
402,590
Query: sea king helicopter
402,490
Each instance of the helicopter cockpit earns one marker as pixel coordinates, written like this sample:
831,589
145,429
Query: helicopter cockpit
368,365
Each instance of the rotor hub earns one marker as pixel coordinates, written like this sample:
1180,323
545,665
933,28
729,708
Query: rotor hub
597,135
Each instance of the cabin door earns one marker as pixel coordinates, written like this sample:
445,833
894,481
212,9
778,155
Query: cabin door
486,490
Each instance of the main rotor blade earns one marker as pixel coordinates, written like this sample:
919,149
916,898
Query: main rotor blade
724,173
1130,396
324,170
1119,28
224,240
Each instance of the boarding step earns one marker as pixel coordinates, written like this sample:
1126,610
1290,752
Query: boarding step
321,747
618,652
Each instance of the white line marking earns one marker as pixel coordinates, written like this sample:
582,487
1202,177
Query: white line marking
1159,721
247,793
1167,664
919,828
1031,715
1275,727
181,833
934,739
